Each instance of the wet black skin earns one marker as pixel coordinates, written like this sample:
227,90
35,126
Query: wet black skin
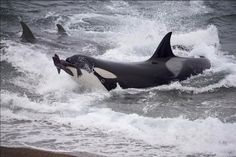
150,73
140,74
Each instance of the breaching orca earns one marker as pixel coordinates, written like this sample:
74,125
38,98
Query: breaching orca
162,68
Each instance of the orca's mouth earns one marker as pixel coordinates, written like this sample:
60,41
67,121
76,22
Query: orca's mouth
64,64
68,60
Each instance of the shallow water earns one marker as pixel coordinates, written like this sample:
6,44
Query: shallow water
39,108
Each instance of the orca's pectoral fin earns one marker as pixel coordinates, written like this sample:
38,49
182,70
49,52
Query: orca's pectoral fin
61,30
109,84
27,34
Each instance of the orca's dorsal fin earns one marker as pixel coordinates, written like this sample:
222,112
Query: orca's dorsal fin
164,48
61,30
27,34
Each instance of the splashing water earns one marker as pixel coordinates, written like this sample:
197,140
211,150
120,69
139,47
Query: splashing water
194,117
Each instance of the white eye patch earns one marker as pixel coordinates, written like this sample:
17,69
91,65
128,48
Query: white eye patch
105,74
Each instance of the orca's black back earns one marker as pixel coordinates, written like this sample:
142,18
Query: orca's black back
137,75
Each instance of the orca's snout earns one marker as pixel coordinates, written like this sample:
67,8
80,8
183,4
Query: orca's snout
68,60
71,60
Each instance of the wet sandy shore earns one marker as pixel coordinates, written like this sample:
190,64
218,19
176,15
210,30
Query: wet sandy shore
29,152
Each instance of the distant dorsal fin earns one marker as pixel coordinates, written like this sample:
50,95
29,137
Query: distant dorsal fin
164,48
60,29
27,35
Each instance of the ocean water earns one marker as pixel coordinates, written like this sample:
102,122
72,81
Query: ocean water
41,109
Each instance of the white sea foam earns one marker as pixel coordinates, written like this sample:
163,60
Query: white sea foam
210,136
37,66
136,39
